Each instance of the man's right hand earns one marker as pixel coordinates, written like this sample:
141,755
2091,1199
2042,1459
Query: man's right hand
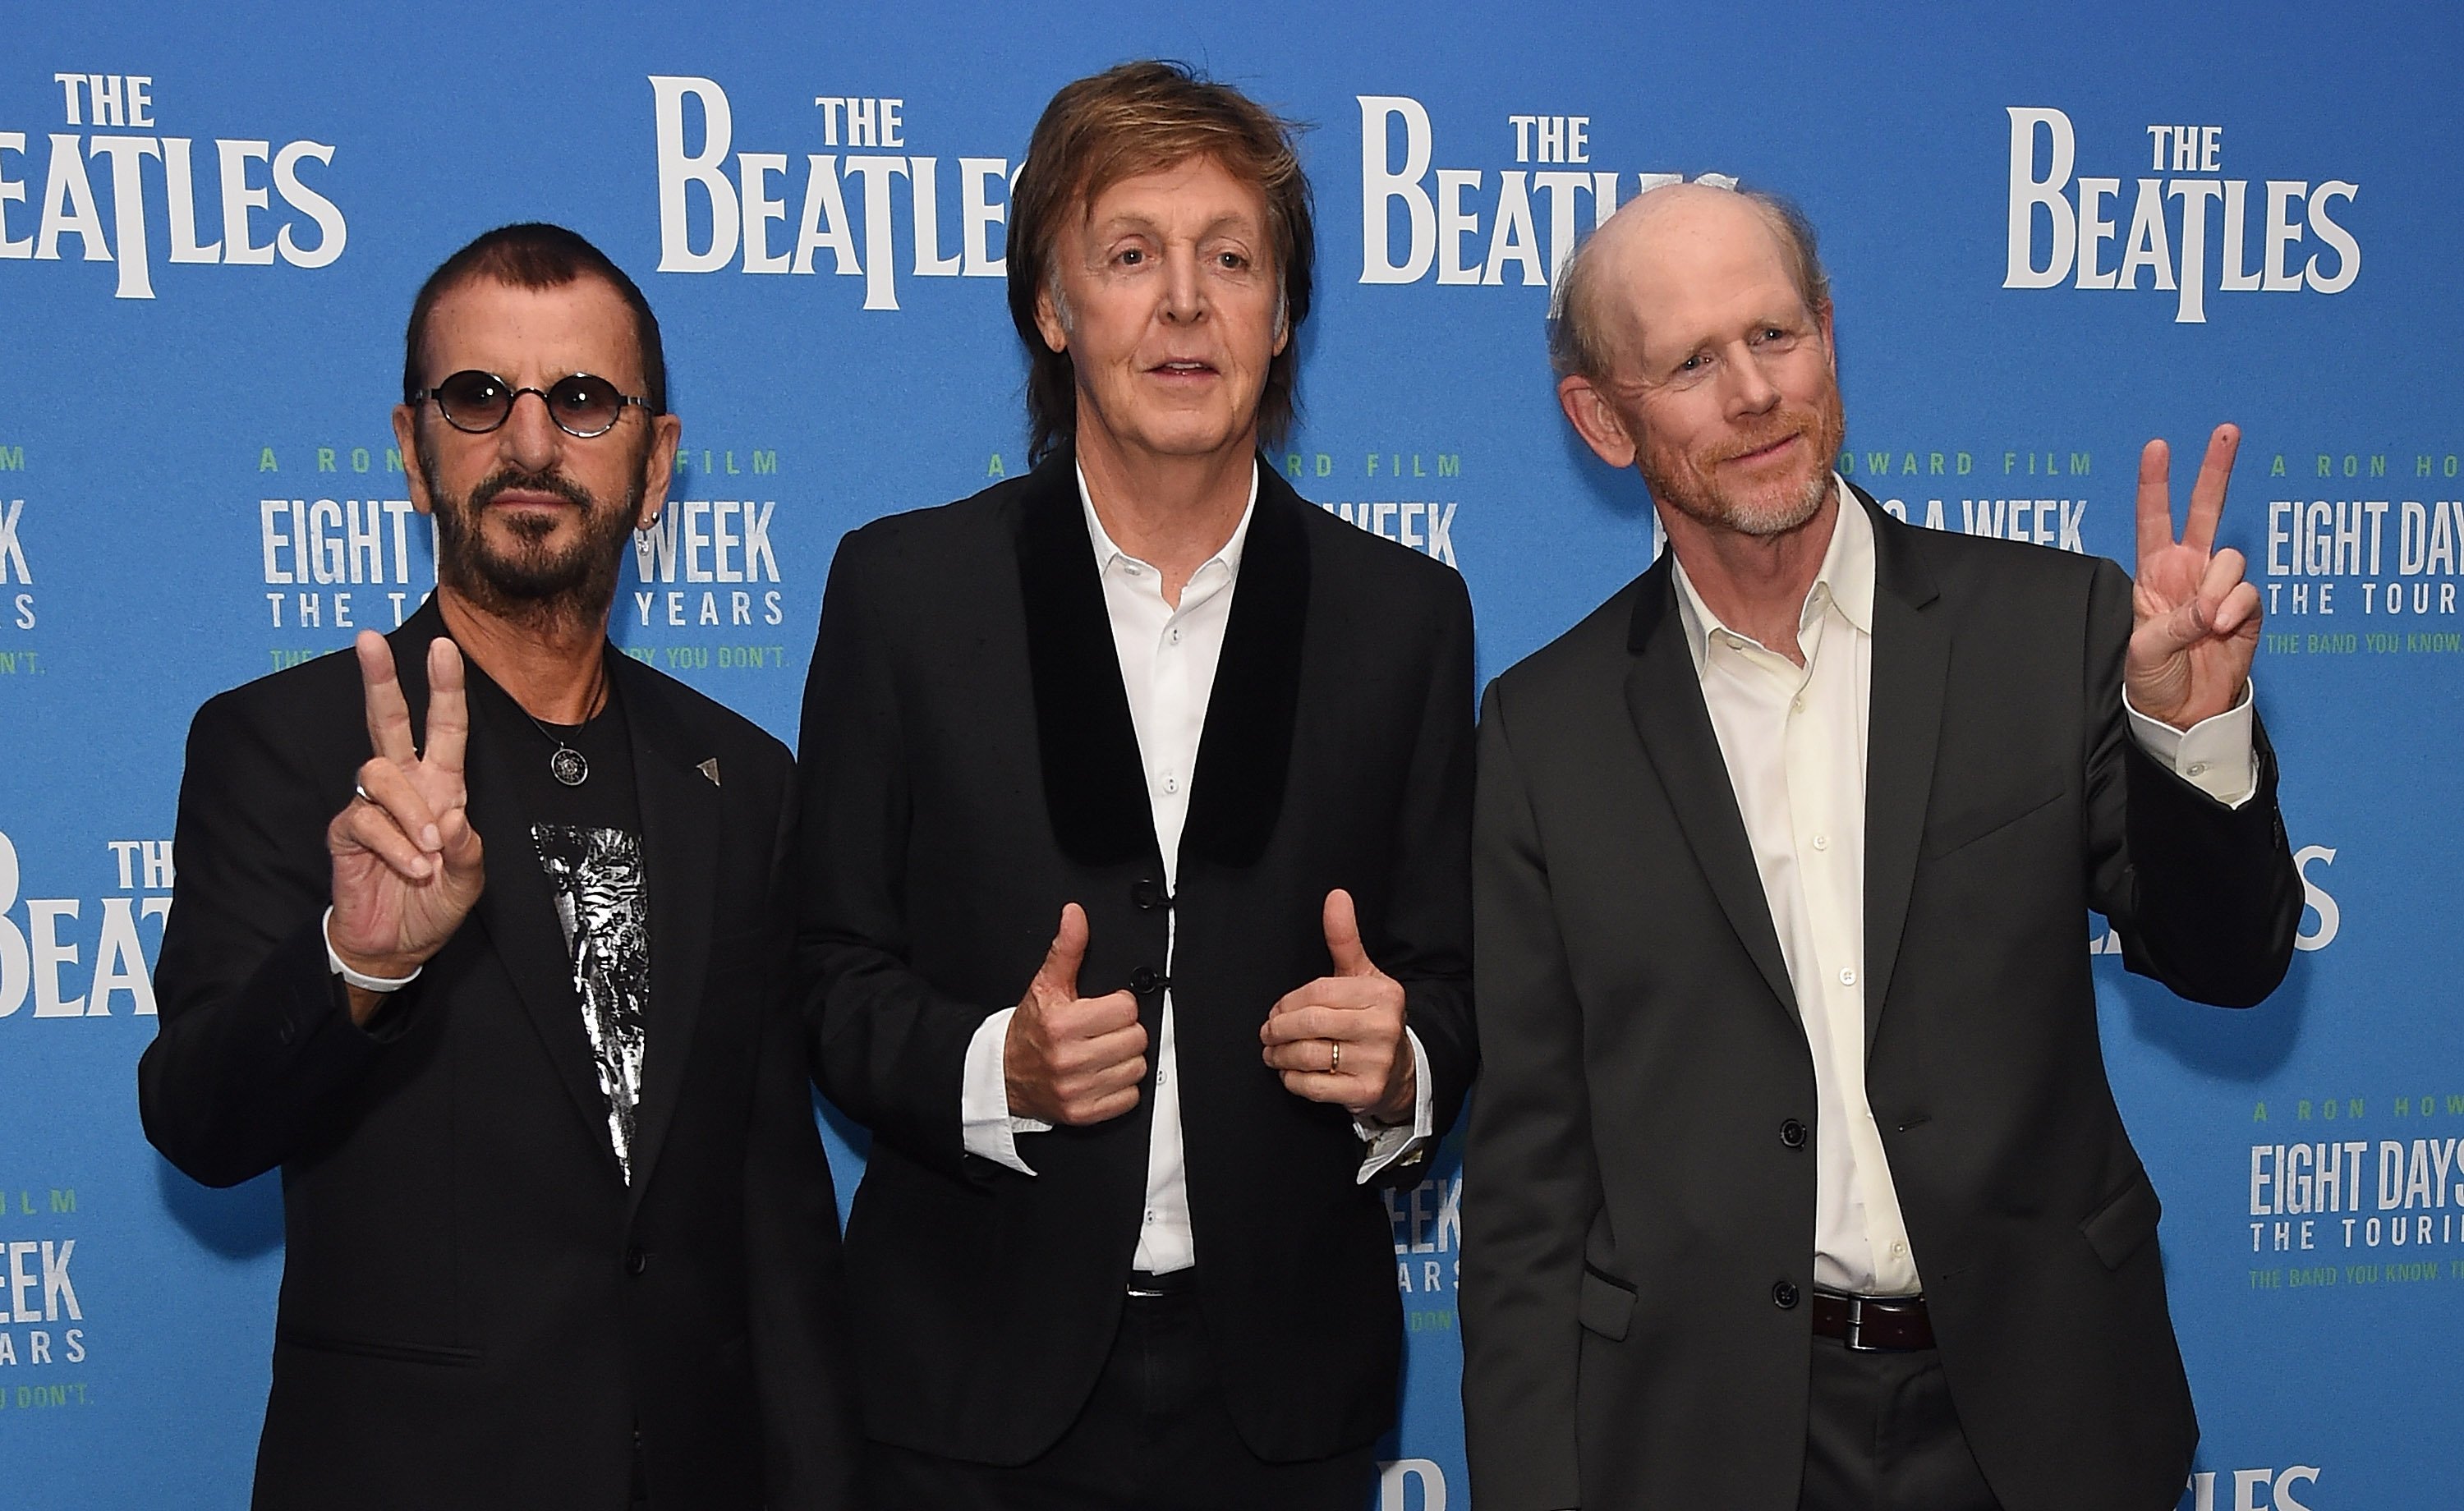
1070,1058
407,863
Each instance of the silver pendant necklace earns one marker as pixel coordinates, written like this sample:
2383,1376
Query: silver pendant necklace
567,765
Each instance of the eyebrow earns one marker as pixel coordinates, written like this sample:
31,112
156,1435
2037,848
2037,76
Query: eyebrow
1131,221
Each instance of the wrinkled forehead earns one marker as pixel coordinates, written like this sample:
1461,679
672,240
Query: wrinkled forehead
1701,270
1196,186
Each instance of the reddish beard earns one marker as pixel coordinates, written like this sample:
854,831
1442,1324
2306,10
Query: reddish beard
1690,484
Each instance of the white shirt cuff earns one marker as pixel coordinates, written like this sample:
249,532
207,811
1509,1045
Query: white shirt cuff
1387,1144
2215,754
983,1098
360,978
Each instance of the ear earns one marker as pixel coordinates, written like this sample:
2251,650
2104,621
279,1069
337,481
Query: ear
658,466
1596,420
1048,319
1830,346
406,440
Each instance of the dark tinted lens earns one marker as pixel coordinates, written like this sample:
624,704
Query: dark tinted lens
583,404
473,400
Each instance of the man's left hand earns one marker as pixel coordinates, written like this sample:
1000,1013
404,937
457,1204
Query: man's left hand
2195,619
1340,1038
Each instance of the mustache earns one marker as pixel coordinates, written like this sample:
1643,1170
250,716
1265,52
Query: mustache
507,479
1787,424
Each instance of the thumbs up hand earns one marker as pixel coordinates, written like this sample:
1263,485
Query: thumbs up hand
1340,1038
1069,1059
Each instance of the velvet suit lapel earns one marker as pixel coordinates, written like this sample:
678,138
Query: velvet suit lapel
1903,729
1664,696
1095,784
1244,754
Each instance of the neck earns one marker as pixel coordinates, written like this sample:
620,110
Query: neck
1173,513
554,667
1756,585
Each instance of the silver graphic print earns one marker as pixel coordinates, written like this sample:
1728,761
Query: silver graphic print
596,875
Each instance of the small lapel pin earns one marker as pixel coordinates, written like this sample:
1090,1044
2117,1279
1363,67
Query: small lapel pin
710,769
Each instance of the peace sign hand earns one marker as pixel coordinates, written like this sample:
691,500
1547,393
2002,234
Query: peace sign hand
2195,619
407,863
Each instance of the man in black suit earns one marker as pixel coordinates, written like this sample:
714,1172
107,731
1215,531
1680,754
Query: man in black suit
559,1232
1795,1179
1118,1243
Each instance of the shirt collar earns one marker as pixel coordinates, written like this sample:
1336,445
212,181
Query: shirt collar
1844,581
1109,553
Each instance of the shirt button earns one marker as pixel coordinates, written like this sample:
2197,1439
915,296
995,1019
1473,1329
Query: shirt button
1847,978
1899,1250
1151,1214
1822,842
1176,634
1796,704
1172,784
2198,768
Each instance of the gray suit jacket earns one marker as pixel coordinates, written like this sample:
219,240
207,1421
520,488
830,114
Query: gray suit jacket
1637,1248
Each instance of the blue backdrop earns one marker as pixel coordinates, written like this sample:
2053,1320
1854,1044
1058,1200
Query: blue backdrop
2051,236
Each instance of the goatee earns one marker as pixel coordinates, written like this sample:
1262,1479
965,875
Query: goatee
534,582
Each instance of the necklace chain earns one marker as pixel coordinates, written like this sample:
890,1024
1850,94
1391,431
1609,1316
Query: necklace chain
567,765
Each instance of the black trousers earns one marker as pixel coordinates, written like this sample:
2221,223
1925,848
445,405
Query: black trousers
1881,1435
1155,1436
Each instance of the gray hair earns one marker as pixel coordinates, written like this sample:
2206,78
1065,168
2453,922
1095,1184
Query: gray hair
1578,342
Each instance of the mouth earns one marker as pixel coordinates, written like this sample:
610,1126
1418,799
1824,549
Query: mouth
1183,369
1763,456
528,498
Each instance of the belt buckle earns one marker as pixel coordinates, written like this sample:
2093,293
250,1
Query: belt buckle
1856,1339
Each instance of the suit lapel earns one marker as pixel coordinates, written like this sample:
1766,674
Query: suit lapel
1094,785
1903,729
1246,750
518,912
1663,693
680,804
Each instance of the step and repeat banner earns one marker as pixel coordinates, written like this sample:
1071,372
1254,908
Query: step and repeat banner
2051,237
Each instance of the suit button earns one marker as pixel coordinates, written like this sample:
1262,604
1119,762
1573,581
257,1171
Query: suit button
1149,895
636,1259
1793,1133
1784,1294
285,1032
1147,979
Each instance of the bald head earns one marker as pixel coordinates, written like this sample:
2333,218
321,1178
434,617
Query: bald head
1676,231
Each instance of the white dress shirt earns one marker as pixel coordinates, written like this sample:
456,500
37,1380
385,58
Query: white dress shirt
1784,732
1168,655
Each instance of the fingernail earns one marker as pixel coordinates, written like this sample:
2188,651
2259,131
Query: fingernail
431,839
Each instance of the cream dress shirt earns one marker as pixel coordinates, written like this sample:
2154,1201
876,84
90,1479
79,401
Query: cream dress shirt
1793,739
1168,657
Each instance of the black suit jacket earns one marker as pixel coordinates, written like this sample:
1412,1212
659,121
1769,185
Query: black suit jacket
1637,1244
477,1311
969,766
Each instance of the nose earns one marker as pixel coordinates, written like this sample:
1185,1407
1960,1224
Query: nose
1184,297
528,438
1750,389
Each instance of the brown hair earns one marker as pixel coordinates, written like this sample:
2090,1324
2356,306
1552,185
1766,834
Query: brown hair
533,256
1578,346
1131,120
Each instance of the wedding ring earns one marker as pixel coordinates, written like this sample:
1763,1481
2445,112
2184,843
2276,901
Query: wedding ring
1334,1057
360,793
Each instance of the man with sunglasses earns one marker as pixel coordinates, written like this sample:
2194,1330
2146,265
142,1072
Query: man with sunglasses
480,935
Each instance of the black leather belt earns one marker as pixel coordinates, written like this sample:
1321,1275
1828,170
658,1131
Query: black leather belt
1873,1322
